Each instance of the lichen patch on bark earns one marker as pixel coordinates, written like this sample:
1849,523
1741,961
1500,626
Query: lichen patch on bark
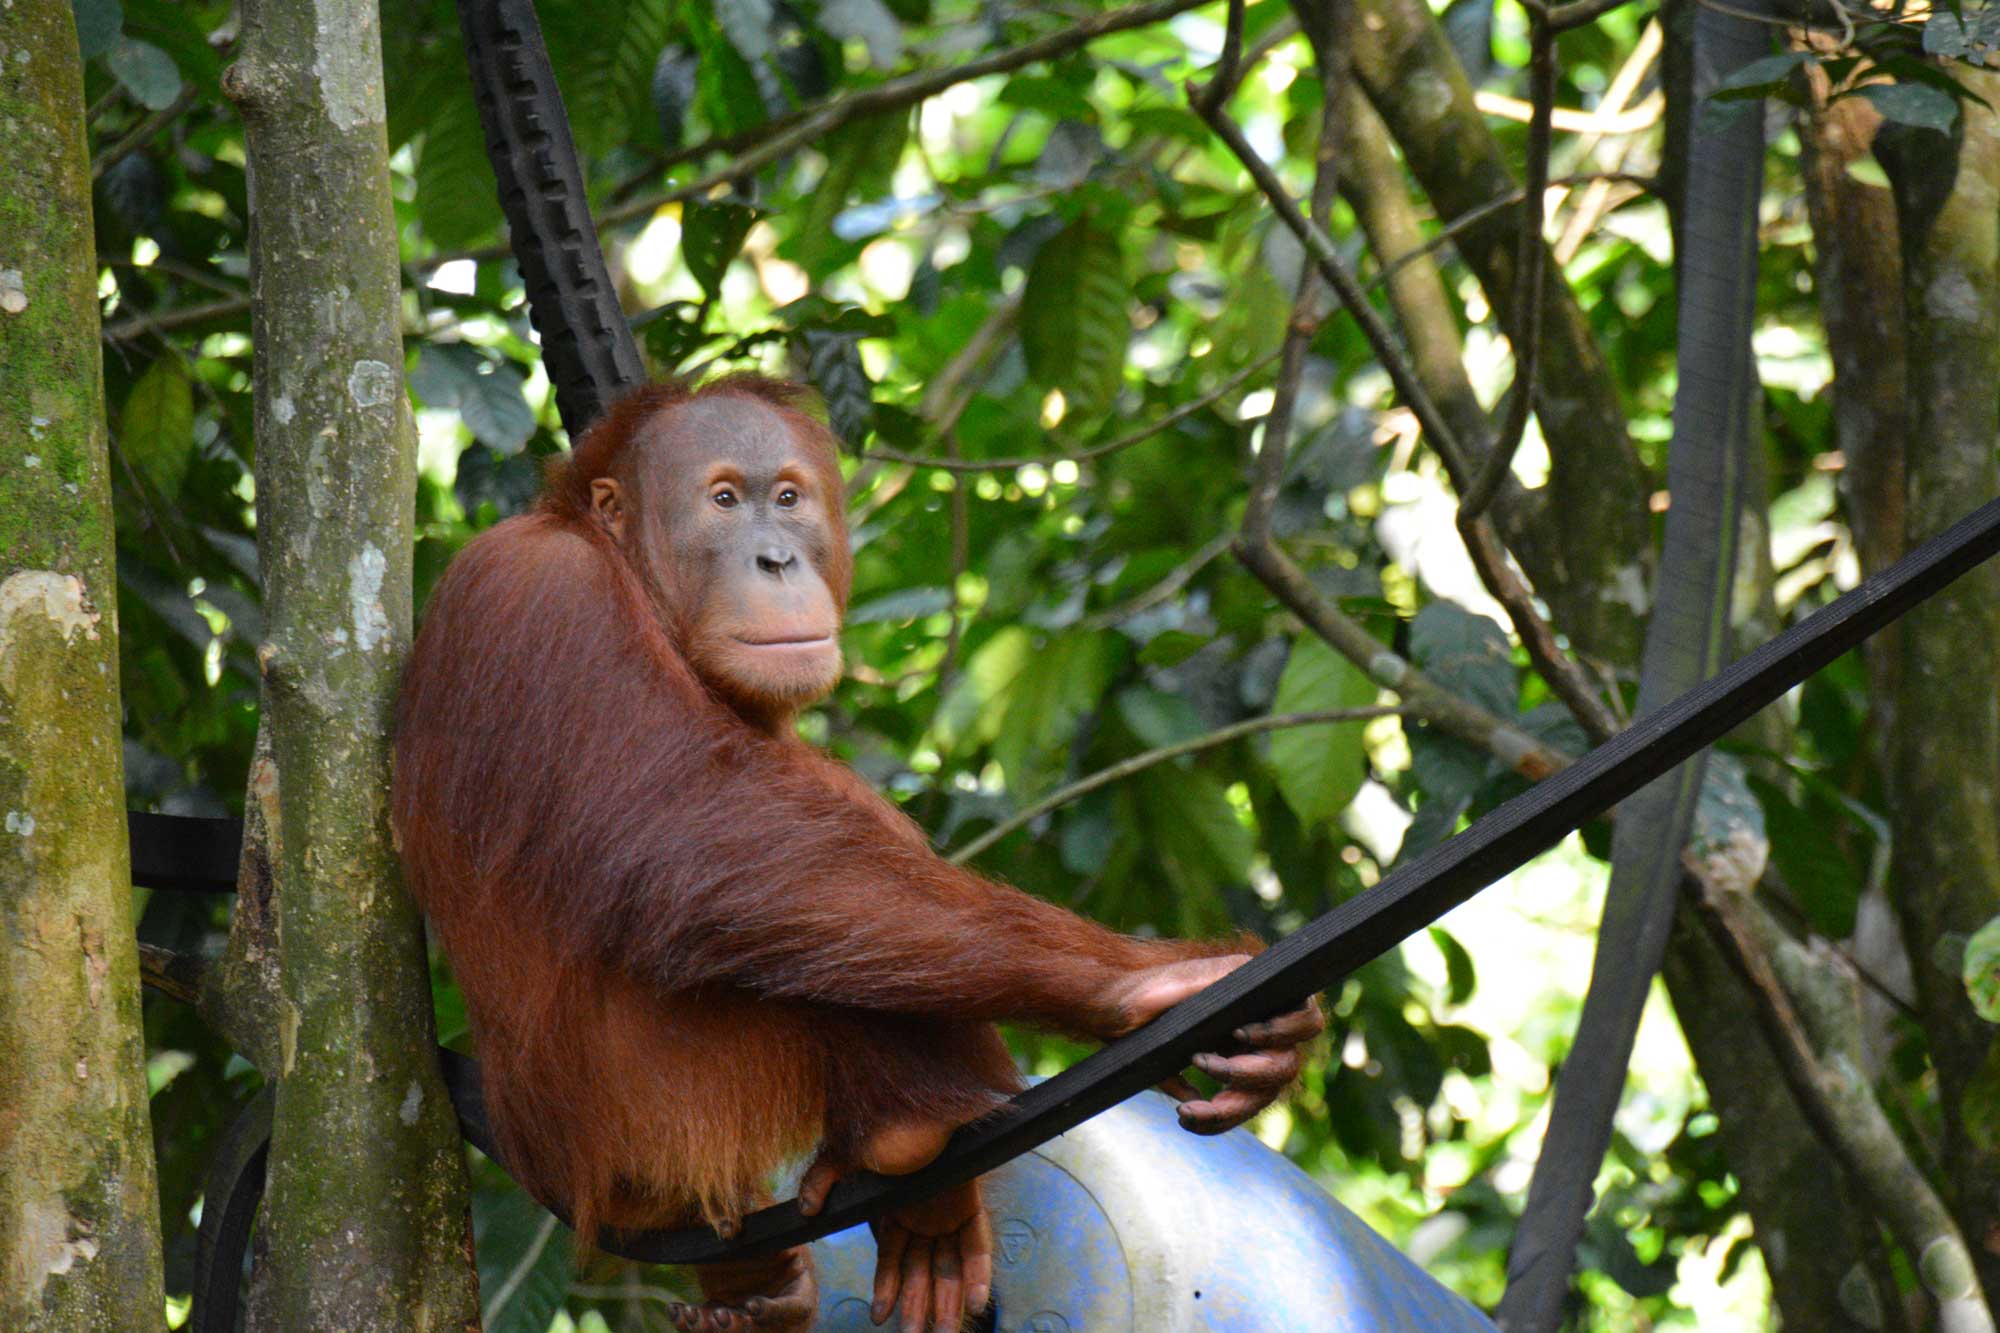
364,596
54,596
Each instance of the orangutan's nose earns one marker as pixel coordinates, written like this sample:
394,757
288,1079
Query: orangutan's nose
776,561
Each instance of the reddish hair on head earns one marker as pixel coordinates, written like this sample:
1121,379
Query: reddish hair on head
597,452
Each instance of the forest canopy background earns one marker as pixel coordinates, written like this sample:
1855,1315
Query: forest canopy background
1045,307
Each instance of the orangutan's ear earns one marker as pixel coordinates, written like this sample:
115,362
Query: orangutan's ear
607,505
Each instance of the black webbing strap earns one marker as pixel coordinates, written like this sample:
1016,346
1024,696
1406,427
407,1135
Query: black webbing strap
189,855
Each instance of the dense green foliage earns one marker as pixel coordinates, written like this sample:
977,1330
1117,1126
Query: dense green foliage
1040,266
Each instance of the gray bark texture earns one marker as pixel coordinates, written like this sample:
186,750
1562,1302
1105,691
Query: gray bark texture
79,1230
1945,866
366,1209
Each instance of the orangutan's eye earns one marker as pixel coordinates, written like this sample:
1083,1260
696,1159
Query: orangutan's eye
723,497
788,497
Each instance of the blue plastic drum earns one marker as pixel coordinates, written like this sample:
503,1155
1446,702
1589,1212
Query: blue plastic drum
1130,1224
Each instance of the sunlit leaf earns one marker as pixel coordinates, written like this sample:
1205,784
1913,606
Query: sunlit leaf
1982,970
1319,768
1059,683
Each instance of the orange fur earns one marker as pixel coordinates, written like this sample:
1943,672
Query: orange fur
691,946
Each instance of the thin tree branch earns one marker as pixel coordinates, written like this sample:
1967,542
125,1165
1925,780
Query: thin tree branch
1837,1101
138,326
1530,258
1564,674
1473,217
142,133
1229,67
1268,477
1146,759
1272,567
1228,386
1601,121
1623,87
1580,13
1426,700
1263,559
910,89
178,976
1176,579
1320,248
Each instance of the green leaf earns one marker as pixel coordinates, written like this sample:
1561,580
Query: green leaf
833,364
495,409
1074,320
1913,104
861,158
156,429
1319,768
1467,654
1056,687
971,712
644,46
145,71
1170,648
488,393
673,332
1971,35
1170,121
1189,826
1460,976
1768,77
1869,171
524,1261
711,237
1815,865
1158,719
457,196
1059,99
98,24
1979,1106
1982,970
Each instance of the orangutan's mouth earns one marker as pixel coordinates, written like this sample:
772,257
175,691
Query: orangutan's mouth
802,641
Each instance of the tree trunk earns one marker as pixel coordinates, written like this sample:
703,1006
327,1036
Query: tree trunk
366,1210
79,1210
1945,866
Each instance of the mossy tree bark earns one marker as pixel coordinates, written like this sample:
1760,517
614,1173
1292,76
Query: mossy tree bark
366,1209
1945,866
79,1231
